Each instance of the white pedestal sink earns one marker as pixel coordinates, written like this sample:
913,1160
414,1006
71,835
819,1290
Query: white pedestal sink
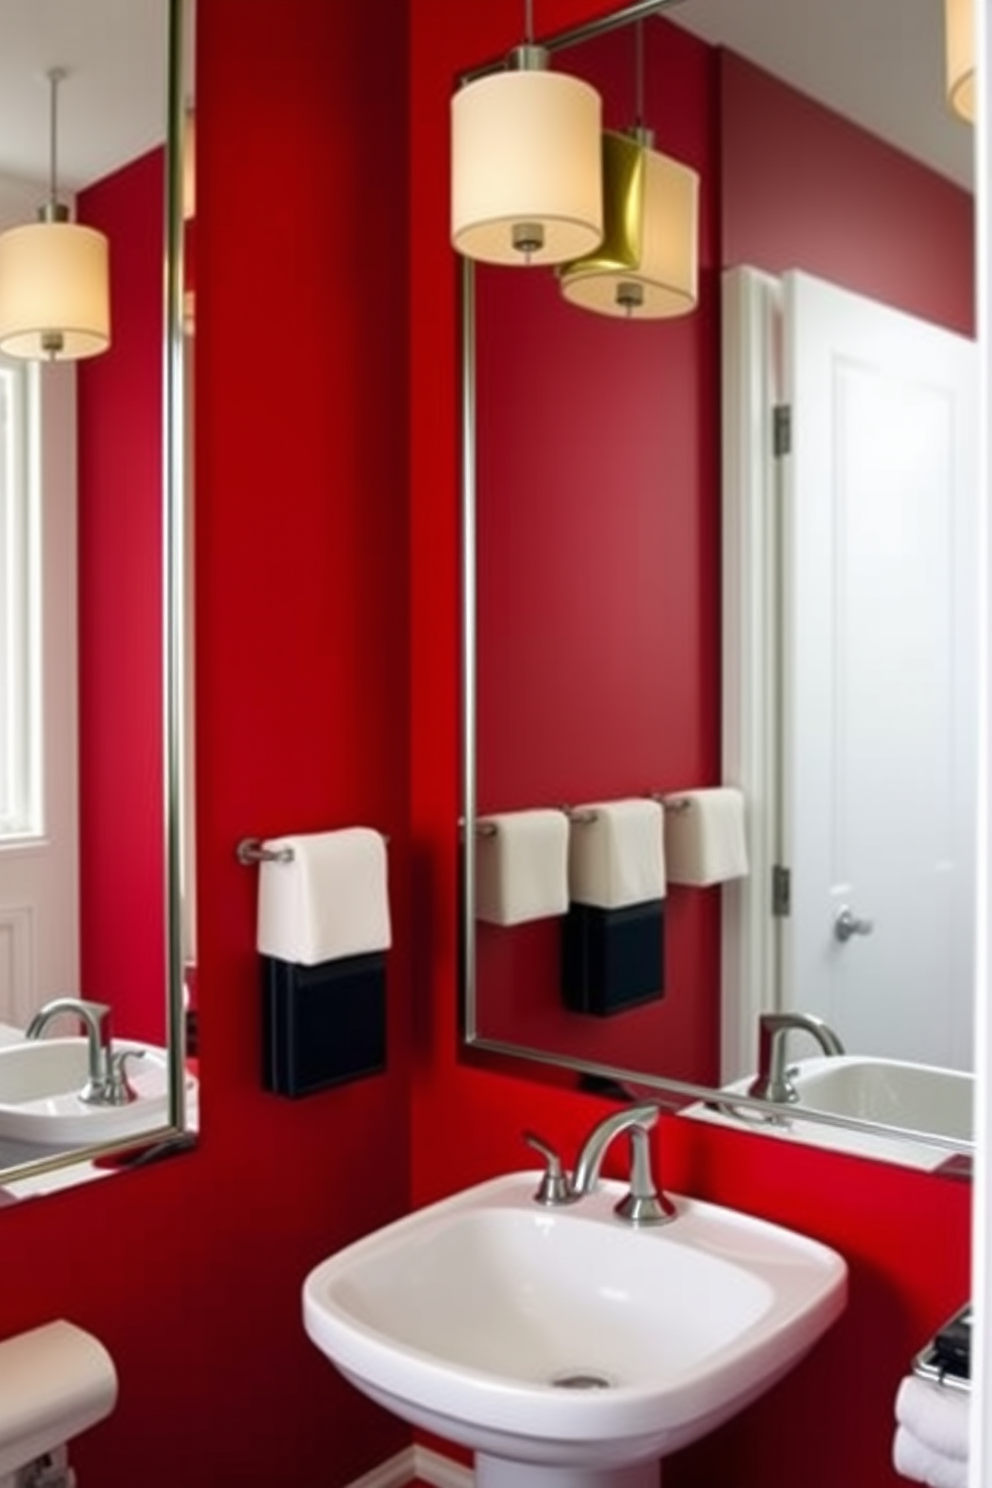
563,1345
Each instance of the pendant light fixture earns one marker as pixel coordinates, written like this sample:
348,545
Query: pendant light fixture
54,290
646,266
959,33
526,183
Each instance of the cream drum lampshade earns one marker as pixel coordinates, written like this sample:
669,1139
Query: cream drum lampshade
54,291
960,50
526,173
646,267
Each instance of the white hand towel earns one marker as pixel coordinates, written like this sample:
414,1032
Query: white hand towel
616,853
914,1460
521,866
331,900
704,836
937,1415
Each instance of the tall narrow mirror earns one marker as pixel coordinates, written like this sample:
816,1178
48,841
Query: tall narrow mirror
97,934
641,560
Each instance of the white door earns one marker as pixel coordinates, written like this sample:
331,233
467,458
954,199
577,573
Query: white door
879,685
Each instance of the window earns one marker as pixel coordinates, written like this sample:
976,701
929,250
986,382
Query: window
20,609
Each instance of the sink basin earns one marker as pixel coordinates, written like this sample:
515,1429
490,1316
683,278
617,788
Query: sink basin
40,1081
914,1097
918,1099
566,1337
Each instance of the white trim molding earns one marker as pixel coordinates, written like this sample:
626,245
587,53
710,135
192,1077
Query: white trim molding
416,1464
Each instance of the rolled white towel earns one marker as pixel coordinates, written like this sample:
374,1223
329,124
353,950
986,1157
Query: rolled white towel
616,853
329,899
705,841
521,866
913,1459
937,1415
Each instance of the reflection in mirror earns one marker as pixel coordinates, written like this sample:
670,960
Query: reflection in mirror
633,626
97,956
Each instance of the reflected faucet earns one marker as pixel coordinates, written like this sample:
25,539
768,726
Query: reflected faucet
645,1203
107,1083
772,1082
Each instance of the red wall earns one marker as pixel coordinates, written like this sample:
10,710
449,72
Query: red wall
905,1235
327,575
191,1271
804,188
122,877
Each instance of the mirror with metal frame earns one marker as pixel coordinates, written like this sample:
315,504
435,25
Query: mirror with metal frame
97,932
572,555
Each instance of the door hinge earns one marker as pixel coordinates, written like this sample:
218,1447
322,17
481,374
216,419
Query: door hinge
782,429
781,891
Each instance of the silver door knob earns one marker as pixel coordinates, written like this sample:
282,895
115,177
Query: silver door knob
847,923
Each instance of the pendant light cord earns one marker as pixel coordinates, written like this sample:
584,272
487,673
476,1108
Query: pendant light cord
528,22
639,75
55,77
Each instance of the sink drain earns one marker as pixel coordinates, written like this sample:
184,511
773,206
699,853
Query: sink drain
581,1381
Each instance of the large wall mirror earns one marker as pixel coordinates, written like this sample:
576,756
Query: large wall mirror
97,926
651,609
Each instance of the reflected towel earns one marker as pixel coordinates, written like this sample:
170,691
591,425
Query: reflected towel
704,836
330,901
616,853
937,1415
521,866
914,1460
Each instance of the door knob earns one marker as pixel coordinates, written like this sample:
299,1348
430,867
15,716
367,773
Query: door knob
848,923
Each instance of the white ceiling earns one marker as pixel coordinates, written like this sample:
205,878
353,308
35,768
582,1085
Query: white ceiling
879,62
112,104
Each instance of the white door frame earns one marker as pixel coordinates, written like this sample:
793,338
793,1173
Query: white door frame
751,389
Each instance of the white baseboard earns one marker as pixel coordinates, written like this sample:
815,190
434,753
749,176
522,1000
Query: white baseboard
440,1471
418,1463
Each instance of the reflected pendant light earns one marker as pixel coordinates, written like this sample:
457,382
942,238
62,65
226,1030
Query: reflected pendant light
959,33
646,266
526,175
54,289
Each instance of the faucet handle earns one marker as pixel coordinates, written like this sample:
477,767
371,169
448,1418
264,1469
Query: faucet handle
120,1092
554,1188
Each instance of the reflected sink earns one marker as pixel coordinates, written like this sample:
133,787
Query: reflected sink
40,1081
914,1097
565,1337
919,1099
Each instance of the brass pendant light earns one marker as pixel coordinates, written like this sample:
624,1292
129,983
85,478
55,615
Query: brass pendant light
646,266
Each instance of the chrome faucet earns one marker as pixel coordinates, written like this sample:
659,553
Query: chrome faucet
772,1082
644,1204
107,1083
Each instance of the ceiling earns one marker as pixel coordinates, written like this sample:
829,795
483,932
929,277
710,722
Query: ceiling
878,62
112,104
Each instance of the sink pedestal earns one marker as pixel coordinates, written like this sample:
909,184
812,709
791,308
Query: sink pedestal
499,1472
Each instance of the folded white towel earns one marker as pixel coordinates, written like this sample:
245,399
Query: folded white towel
704,836
914,1460
938,1416
521,866
331,900
616,853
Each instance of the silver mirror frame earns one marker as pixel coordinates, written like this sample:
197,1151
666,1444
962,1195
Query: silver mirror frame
668,1092
174,1134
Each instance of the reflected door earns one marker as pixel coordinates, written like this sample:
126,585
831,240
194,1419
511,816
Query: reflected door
879,684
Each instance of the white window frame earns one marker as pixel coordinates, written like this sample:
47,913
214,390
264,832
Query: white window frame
21,774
